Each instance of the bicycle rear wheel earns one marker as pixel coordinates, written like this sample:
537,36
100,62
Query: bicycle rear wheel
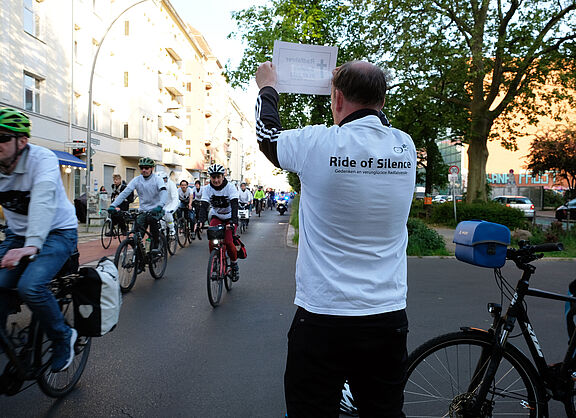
182,234
159,261
57,385
228,276
173,240
126,260
107,233
214,280
444,375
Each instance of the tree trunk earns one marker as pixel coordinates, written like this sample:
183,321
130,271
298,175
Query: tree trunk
477,158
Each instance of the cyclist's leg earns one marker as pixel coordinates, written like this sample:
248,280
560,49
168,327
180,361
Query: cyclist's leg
314,375
169,218
376,365
33,286
230,247
154,230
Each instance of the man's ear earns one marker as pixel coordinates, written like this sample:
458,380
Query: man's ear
338,100
22,142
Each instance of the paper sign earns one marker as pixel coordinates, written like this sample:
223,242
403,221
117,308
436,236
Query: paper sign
305,69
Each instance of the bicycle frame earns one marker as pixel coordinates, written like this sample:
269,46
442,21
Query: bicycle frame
25,365
555,379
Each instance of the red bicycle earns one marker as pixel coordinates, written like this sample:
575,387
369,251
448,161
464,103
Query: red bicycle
219,270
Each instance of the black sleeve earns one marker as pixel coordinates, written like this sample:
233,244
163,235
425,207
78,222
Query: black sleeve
268,123
234,216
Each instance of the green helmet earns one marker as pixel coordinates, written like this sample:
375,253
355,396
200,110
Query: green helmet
146,161
14,120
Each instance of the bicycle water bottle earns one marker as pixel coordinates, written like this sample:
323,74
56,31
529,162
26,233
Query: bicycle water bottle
148,244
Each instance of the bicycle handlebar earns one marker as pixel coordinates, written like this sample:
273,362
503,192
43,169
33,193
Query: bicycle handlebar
548,247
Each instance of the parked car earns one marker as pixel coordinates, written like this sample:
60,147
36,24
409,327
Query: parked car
567,208
517,202
440,198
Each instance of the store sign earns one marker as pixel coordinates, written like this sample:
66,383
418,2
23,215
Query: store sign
522,179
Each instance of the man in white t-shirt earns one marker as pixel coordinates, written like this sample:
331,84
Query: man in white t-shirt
351,270
41,223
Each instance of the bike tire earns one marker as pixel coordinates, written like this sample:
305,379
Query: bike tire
57,385
126,260
182,234
214,280
173,240
158,265
227,276
106,229
442,371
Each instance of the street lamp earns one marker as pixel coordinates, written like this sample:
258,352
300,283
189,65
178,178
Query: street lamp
89,123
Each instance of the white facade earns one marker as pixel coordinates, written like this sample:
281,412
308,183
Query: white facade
157,89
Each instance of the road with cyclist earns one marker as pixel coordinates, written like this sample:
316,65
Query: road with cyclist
174,355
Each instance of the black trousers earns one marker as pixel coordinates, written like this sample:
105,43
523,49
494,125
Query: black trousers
325,350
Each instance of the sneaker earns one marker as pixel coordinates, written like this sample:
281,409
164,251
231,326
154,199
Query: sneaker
63,352
235,272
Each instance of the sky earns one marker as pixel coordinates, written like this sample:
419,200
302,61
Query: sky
213,20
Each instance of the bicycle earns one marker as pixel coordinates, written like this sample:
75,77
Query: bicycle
244,216
259,205
132,256
112,230
183,227
27,350
479,373
219,269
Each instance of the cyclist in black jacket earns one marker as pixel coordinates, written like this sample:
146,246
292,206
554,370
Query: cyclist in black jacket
118,187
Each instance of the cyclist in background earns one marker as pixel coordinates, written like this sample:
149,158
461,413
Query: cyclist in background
259,197
152,195
172,202
41,222
197,204
118,187
223,197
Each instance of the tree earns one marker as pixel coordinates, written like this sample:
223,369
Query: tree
555,150
486,57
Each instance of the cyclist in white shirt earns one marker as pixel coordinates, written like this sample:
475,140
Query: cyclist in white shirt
152,196
41,222
172,201
351,277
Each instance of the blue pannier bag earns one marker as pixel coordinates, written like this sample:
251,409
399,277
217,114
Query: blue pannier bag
482,243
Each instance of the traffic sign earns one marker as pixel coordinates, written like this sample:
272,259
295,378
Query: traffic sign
453,169
452,178
75,144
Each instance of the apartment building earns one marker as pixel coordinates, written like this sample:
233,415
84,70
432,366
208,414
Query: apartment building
157,90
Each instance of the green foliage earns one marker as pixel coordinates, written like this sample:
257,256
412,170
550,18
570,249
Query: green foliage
422,240
555,233
293,181
486,211
555,150
294,217
552,199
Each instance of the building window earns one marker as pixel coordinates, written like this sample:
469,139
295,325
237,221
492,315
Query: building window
125,130
130,173
188,86
30,18
126,27
125,78
32,93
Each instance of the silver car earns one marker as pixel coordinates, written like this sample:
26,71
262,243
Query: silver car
517,202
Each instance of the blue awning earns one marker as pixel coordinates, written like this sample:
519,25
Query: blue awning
65,158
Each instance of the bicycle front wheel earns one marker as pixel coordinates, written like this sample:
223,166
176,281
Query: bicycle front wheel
159,261
445,373
214,280
182,234
126,261
106,234
173,240
57,385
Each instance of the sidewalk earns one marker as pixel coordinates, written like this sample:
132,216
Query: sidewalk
90,247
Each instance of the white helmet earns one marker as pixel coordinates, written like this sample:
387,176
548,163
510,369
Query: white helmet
216,169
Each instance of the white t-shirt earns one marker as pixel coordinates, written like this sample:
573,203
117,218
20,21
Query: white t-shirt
351,252
244,196
220,200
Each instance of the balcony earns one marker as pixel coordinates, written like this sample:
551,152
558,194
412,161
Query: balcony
136,148
170,82
172,122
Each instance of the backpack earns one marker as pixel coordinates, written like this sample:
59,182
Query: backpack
97,299
240,247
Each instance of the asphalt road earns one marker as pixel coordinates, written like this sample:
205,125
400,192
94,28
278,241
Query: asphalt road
174,355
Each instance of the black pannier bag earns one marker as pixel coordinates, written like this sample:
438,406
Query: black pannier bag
240,247
97,299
